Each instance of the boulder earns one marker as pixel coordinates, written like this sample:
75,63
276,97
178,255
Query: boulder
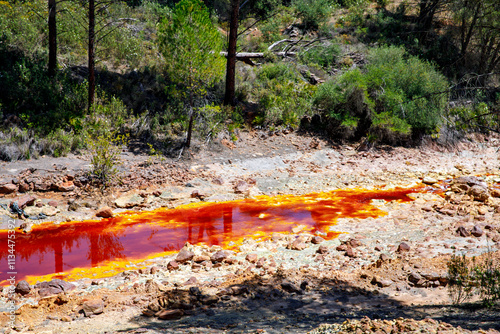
129,201
92,306
184,255
66,186
429,180
8,188
24,201
170,314
403,247
219,256
54,287
104,212
479,193
23,288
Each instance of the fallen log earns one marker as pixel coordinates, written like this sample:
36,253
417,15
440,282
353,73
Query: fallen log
247,57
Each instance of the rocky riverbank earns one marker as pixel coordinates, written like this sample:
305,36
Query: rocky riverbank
391,269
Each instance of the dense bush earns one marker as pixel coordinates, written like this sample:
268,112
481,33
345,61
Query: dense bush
282,95
322,55
395,92
313,13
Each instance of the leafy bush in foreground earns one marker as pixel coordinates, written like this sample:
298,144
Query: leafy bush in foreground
470,276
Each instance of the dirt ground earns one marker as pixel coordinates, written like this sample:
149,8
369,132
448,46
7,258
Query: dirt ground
381,275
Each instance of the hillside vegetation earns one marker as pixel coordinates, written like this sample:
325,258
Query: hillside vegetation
380,71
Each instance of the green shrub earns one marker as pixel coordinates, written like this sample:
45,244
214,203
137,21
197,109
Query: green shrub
283,97
313,13
396,92
471,276
322,55
104,151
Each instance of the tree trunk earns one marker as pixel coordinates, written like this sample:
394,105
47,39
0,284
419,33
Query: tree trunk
91,53
190,128
231,54
52,38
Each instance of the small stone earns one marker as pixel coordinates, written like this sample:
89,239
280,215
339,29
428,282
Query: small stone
54,287
153,270
50,211
241,187
104,212
463,232
209,299
170,314
53,203
323,250
317,240
477,231
23,288
354,243
93,306
298,244
8,188
191,281
184,255
379,248
252,258
290,287
172,265
381,282
66,186
201,258
129,201
414,277
495,193
198,194
42,185
22,202
403,247
479,193
429,180
66,318
384,257
482,210
260,263
219,256
218,181
24,187
341,248
350,252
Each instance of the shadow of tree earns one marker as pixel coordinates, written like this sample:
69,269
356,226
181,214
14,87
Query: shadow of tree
278,304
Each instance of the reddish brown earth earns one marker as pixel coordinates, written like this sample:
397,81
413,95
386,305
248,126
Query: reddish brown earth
382,274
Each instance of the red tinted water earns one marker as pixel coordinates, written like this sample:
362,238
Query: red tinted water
64,248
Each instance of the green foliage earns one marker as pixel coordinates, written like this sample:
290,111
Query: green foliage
322,55
313,13
104,150
398,92
191,45
477,116
470,276
283,97
355,12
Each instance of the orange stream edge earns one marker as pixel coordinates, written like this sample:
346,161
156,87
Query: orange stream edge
104,248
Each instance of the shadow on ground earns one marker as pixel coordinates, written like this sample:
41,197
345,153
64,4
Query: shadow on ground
279,305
